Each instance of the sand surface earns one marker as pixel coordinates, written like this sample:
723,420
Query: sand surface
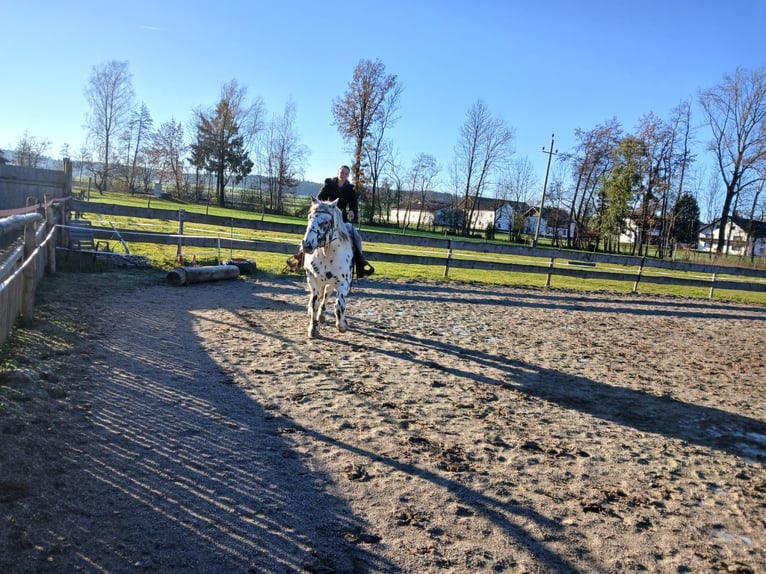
455,428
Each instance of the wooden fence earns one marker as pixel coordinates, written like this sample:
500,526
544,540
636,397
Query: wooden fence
25,263
431,251
21,186
45,230
31,206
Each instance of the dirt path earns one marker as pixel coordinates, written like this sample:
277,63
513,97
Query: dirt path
455,428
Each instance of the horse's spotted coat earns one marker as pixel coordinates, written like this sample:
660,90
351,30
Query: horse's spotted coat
329,255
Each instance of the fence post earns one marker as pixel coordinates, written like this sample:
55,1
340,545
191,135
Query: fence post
179,251
550,272
50,227
449,256
68,177
28,287
638,275
712,288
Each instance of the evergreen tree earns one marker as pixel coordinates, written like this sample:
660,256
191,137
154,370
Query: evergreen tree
686,219
220,149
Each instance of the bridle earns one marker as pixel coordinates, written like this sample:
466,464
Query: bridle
328,236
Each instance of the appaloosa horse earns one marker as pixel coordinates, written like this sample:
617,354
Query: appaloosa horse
329,254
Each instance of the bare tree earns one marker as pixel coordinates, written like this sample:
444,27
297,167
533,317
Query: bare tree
658,140
736,113
285,157
677,169
135,141
422,174
167,151
485,144
395,173
362,116
590,162
516,184
30,150
755,201
110,96
84,160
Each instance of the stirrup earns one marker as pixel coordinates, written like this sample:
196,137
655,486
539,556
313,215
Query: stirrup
364,269
295,262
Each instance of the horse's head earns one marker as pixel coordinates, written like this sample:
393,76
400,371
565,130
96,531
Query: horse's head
324,223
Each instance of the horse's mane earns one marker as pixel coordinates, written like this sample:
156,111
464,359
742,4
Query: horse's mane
337,217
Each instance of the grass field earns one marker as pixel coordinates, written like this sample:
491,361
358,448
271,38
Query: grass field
165,256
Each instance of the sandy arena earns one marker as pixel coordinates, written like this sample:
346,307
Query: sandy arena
455,428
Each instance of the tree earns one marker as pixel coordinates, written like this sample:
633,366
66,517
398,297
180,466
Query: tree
590,163
686,219
84,159
136,140
484,145
29,151
285,156
110,96
167,152
224,136
517,180
736,114
424,170
679,161
622,186
362,116
657,139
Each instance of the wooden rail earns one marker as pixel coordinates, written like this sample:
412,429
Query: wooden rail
552,262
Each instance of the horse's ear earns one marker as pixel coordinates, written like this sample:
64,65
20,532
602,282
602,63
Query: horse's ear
334,202
314,200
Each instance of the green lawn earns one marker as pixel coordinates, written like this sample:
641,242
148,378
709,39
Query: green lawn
164,256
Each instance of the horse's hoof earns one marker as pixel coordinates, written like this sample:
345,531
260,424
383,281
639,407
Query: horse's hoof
313,332
342,327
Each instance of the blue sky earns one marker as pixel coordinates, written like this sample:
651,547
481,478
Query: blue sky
543,67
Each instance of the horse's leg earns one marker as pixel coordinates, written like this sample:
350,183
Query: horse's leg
323,304
313,308
340,306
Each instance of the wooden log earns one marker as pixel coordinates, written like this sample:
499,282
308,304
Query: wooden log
188,275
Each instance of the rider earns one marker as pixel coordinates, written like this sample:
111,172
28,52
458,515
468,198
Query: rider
341,189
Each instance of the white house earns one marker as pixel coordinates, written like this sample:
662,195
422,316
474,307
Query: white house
505,215
411,217
554,222
735,234
631,231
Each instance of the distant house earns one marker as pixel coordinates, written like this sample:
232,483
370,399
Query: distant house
482,211
427,215
505,214
631,231
453,216
555,222
491,212
735,237
412,216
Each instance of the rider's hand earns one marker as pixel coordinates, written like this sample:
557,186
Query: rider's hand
351,215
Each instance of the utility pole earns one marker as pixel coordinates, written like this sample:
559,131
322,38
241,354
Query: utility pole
551,152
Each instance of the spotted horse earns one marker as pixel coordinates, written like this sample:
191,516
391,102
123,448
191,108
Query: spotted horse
329,254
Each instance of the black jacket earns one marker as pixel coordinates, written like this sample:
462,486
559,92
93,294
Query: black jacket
345,195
